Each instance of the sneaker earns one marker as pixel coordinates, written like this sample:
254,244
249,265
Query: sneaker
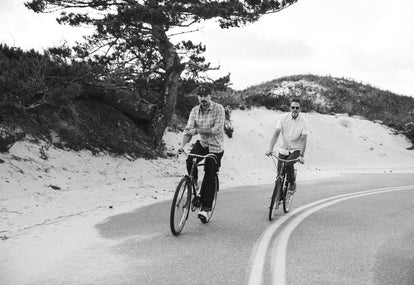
203,216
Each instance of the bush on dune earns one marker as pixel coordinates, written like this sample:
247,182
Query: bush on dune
326,95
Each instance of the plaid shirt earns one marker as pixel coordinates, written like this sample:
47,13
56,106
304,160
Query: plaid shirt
212,118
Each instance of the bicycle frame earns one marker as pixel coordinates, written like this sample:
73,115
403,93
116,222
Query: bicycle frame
195,165
190,195
282,173
280,193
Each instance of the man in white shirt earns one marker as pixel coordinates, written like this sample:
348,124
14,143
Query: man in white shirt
294,129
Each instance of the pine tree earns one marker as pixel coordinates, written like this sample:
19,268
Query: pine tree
136,34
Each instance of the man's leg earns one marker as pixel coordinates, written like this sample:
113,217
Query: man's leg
290,170
197,149
207,188
279,163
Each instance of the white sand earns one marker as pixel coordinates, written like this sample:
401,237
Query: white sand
40,225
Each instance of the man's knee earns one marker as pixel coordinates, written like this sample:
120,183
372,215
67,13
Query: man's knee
290,169
210,165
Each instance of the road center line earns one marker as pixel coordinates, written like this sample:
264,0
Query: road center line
259,253
280,247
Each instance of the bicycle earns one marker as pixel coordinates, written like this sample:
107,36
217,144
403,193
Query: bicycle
186,197
281,194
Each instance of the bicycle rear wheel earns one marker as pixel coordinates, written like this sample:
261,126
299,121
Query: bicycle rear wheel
213,205
274,201
180,206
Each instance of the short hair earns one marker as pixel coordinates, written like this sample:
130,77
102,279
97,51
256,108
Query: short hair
295,100
204,90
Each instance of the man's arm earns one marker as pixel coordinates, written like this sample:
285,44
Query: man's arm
303,139
273,141
186,139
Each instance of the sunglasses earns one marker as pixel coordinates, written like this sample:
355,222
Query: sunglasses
294,108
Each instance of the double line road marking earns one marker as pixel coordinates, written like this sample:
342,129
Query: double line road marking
290,221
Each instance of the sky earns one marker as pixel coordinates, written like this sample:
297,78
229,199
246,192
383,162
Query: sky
370,41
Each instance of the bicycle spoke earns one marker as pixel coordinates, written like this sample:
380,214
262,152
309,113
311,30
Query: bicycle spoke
180,206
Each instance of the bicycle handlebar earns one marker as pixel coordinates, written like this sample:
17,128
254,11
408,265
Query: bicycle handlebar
284,160
213,156
203,156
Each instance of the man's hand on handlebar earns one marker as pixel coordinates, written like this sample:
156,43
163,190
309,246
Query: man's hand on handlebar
191,132
268,153
301,159
180,151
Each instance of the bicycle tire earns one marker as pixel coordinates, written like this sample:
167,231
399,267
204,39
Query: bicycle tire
182,199
287,202
213,205
274,201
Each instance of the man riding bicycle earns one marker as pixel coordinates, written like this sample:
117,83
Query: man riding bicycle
207,120
294,129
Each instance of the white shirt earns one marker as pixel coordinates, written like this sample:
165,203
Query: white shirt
291,131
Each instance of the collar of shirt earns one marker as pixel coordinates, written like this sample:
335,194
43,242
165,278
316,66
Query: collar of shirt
208,109
298,117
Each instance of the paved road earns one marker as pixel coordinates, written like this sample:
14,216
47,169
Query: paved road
360,240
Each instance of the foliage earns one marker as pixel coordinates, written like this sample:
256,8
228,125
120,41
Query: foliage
187,98
137,34
30,77
326,94
45,93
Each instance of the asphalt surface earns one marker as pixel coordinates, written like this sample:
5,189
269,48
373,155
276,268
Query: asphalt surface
365,240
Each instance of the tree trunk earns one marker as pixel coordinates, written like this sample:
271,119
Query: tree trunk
174,68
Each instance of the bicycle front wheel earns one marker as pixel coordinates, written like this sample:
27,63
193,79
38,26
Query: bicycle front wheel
180,206
287,202
213,205
274,201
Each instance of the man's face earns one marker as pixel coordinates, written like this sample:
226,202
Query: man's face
204,100
295,109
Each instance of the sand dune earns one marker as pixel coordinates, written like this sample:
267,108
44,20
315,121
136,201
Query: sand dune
45,204
336,144
34,191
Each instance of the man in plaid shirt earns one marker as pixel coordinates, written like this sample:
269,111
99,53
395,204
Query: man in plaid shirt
206,120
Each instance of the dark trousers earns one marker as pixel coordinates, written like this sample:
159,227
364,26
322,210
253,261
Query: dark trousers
290,170
210,170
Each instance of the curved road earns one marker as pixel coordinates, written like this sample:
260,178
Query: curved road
347,236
